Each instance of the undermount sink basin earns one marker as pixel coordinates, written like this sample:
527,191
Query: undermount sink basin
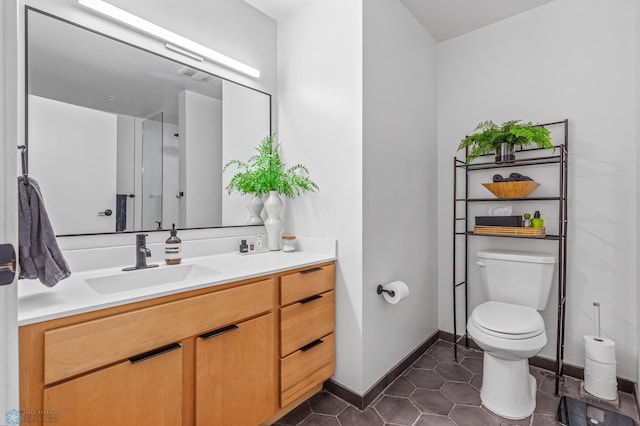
142,278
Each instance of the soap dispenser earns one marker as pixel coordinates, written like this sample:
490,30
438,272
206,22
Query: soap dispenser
173,248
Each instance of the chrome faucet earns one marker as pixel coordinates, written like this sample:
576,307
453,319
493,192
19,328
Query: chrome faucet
142,252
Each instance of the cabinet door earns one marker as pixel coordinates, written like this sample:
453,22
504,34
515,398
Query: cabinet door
236,374
144,390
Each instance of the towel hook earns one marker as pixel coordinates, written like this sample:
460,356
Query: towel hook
23,156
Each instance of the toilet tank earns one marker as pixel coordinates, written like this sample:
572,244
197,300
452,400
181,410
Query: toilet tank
521,278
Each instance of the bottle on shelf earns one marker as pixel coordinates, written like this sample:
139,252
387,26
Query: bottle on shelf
537,222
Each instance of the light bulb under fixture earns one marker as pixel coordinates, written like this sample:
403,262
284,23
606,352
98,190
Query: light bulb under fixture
168,36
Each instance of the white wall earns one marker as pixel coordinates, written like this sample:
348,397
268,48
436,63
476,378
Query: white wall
170,176
334,117
125,160
572,59
200,159
73,174
400,172
637,73
320,125
125,155
11,134
239,141
152,136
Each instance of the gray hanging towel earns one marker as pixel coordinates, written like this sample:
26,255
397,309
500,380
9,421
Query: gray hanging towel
39,255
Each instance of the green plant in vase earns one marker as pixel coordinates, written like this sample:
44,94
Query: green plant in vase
489,137
265,173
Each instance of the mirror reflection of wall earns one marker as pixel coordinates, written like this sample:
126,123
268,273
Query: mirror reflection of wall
152,136
72,154
114,127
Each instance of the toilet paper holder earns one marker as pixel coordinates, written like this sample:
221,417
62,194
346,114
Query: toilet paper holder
381,290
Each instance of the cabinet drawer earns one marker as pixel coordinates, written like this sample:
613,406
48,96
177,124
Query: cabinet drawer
74,349
142,390
306,368
306,283
305,321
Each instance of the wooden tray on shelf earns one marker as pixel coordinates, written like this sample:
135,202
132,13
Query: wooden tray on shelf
510,231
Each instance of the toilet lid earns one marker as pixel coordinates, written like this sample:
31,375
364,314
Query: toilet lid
508,321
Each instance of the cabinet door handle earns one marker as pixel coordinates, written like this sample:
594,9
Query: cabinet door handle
156,352
311,345
218,332
309,271
310,299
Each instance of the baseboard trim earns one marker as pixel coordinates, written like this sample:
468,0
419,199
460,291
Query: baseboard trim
362,401
575,371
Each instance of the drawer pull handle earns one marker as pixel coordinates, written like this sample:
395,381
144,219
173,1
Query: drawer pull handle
311,345
309,271
310,299
218,332
154,353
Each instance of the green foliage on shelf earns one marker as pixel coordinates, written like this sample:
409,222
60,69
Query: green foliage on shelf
265,172
488,137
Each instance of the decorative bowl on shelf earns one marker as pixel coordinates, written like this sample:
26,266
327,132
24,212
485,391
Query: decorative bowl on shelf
518,189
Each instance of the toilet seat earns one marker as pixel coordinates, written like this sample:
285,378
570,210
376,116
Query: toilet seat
507,321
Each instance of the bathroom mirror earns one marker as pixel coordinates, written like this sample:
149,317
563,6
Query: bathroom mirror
124,140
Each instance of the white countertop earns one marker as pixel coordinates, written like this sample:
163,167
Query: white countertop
72,296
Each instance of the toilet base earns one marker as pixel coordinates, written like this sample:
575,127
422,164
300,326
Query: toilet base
507,387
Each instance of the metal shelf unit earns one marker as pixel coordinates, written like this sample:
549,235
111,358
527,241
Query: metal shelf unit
561,238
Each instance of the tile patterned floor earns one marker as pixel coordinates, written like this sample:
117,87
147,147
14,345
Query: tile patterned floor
437,391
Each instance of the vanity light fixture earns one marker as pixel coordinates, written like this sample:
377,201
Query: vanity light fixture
184,52
176,41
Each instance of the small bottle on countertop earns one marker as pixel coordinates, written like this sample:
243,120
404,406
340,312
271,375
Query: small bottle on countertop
173,248
252,246
244,248
259,242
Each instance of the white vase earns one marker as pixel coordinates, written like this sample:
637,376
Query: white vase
273,205
255,209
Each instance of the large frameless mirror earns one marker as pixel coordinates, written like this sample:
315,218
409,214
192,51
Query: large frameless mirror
124,140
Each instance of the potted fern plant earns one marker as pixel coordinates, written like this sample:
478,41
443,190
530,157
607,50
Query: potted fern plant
489,137
265,173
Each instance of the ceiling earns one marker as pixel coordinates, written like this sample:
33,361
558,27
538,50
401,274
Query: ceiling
277,9
444,19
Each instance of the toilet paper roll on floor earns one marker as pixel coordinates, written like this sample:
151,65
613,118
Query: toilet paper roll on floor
400,290
600,367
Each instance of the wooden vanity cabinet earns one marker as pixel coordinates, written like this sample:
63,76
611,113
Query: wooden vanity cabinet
146,389
235,378
239,354
306,331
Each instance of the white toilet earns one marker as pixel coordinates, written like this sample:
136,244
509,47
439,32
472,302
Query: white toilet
509,329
